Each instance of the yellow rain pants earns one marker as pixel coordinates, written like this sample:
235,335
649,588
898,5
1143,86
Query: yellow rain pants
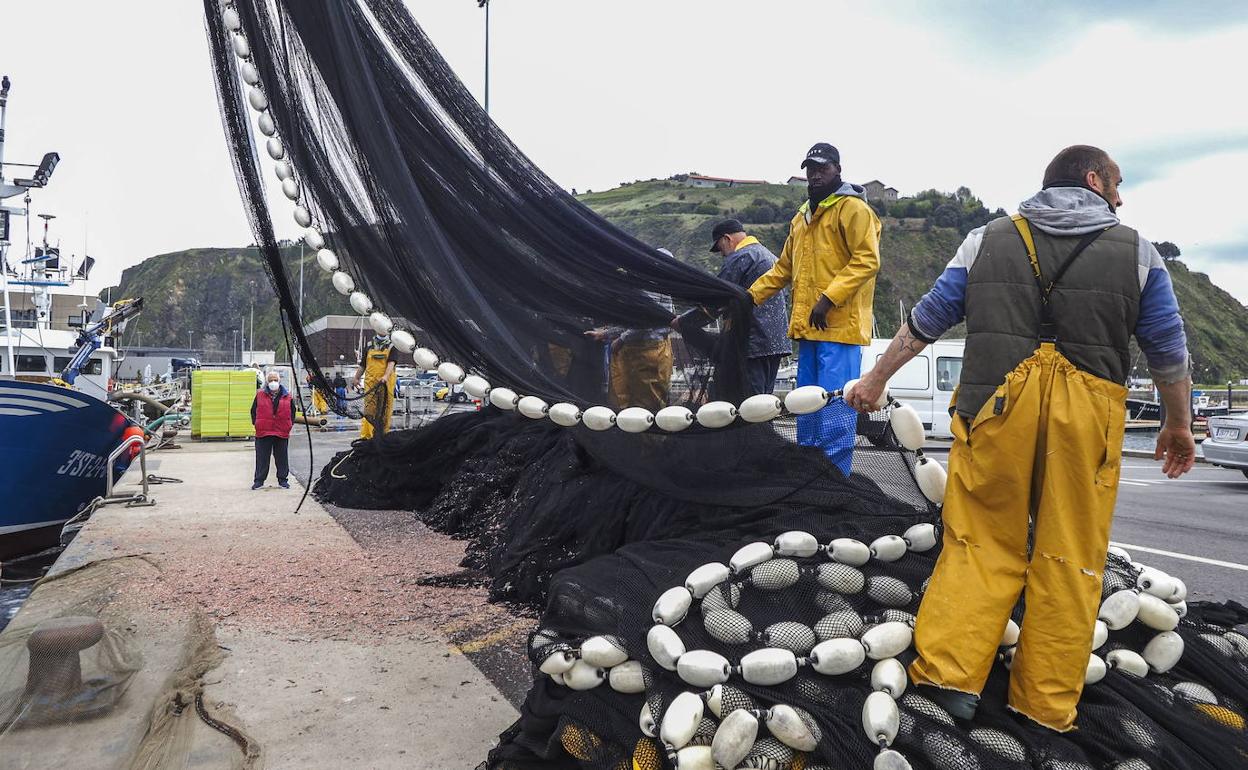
378,401
641,373
1046,447
318,403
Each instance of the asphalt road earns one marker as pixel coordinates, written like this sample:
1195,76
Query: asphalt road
1194,520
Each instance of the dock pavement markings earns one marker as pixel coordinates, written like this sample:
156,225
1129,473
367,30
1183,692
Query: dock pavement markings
1183,556
506,633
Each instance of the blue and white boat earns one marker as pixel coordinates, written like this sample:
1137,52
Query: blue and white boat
54,447
57,427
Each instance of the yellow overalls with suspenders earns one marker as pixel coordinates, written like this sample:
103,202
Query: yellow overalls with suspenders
377,397
1046,448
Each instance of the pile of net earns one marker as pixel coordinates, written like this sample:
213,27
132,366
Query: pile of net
534,498
788,558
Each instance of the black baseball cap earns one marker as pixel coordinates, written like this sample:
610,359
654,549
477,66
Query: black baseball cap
726,227
823,154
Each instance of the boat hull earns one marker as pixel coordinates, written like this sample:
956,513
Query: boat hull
54,447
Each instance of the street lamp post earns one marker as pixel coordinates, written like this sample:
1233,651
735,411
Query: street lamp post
251,335
486,5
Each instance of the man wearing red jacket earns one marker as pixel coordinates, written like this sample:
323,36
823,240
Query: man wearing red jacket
273,414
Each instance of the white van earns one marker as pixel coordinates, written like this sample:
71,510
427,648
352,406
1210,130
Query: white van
926,382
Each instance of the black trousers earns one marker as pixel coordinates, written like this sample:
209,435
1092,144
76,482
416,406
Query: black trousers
271,445
760,374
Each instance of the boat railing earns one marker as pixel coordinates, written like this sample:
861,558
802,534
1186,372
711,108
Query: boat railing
140,499
109,498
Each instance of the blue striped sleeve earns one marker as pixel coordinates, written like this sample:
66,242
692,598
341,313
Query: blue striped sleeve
944,306
1159,328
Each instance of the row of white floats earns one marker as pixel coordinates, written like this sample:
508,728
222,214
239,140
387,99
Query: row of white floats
326,259
906,423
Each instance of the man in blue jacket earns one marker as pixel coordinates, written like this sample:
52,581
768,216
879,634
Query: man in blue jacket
745,259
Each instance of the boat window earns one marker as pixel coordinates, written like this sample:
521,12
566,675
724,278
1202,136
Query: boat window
32,363
914,375
92,366
948,372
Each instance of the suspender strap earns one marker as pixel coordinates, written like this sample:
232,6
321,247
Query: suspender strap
1048,326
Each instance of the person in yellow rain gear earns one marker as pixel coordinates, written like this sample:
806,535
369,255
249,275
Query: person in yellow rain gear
1051,298
640,360
830,260
377,364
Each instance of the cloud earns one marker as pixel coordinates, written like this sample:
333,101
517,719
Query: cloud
1155,160
1027,30
1235,252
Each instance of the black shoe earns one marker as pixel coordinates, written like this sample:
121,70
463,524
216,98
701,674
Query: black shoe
960,705
257,485
284,484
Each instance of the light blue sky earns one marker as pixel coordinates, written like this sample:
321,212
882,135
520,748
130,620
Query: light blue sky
917,94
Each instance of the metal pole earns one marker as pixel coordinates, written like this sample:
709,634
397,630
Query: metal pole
487,57
4,249
296,357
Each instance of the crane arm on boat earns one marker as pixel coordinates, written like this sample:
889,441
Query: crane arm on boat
91,336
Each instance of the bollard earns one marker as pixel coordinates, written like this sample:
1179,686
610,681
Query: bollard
55,669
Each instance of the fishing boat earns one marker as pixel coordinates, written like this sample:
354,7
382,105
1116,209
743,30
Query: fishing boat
58,425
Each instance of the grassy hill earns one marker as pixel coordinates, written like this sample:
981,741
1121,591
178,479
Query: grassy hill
211,290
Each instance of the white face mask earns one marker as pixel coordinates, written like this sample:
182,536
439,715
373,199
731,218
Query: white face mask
274,385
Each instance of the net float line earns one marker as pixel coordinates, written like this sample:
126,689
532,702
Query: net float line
673,419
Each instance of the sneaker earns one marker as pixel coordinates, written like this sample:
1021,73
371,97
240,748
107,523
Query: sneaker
960,705
257,485
284,484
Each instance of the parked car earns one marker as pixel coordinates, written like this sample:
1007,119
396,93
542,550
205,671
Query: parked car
1227,445
453,393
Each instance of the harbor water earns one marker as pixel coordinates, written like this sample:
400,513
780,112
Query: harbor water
1146,440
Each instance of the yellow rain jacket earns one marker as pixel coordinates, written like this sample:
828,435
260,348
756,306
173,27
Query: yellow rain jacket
834,251
378,401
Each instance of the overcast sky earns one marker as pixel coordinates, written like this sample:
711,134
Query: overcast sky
916,94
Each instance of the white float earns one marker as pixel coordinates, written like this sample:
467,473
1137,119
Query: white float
716,414
634,419
403,340
760,408
598,418
674,419
530,406
665,646
504,398
327,260
672,606
565,414
769,666
680,720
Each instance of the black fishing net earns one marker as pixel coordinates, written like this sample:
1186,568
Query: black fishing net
593,526
437,216
442,222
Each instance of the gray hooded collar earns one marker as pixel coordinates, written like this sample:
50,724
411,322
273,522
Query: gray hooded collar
1067,211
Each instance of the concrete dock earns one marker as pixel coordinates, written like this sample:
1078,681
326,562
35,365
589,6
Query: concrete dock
322,649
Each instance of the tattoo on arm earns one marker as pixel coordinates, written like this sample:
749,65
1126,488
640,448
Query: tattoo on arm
907,341
904,347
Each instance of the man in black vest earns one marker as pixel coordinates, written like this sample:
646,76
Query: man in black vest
1051,297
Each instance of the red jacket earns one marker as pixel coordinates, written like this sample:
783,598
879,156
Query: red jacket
273,416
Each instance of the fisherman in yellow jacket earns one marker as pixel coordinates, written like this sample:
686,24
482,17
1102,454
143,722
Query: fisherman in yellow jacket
377,362
830,259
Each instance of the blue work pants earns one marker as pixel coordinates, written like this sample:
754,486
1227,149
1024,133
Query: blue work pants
833,428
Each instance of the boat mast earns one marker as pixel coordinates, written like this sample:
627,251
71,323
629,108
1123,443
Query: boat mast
9,368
